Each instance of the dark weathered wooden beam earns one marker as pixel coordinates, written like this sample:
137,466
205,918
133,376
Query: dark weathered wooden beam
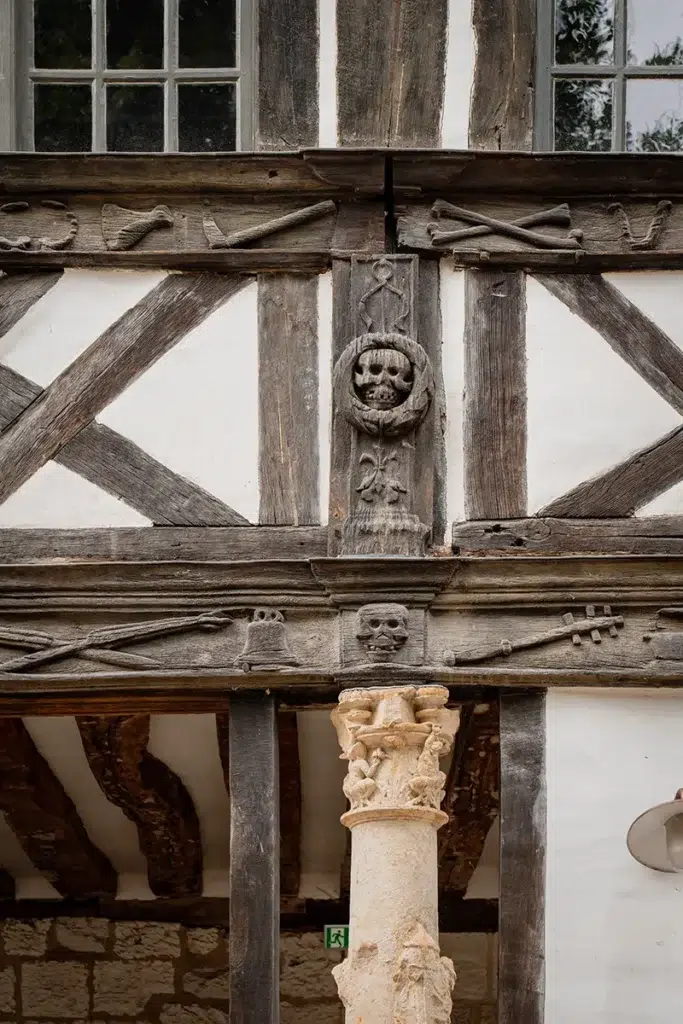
472,799
141,544
626,487
521,970
151,796
45,821
254,860
121,468
501,110
287,74
455,914
654,535
288,399
290,803
7,885
495,428
124,351
18,292
632,335
235,261
390,72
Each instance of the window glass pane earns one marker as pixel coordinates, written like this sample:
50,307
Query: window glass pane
208,33
135,118
135,33
62,34
654,115
584,32
62,118
583,114
207,118
655,32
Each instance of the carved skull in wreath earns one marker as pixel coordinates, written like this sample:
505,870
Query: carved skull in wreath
384,383
382,629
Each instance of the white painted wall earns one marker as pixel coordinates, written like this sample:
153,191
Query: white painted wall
452,354
327,74
460,58
614,929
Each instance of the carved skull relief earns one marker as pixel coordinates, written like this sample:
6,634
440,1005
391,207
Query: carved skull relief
382,629
383,377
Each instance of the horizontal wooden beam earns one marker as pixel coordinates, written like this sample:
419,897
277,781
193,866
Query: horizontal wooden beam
244,261
654,535
455,914
164,544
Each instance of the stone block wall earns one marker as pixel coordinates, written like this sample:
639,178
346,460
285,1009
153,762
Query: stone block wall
96,971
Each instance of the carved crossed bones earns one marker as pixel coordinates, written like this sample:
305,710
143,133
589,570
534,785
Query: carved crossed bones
485,225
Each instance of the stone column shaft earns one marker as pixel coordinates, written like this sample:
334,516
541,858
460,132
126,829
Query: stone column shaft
393,738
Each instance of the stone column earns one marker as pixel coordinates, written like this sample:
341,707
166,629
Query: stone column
393,738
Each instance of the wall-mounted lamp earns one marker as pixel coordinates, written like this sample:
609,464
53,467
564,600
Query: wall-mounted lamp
656,837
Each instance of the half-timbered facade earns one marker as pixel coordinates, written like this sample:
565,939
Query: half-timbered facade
365,430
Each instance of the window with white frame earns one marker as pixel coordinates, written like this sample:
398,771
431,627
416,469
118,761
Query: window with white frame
610,75
125,75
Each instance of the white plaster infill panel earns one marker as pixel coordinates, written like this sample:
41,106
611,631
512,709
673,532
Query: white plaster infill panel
70,317
452,333
196,408
323,837
324,390
460,58
614,931
188,744
59,741
587,409
327,73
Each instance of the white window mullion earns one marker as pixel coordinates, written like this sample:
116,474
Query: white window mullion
170,67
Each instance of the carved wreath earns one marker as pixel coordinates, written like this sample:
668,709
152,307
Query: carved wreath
403,417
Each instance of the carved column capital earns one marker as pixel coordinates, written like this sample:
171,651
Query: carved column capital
393,738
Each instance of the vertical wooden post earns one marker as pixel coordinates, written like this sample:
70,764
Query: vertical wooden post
254,861
522,859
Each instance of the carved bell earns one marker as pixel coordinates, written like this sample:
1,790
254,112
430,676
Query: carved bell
266,645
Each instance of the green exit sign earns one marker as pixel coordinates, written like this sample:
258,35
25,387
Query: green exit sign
336,936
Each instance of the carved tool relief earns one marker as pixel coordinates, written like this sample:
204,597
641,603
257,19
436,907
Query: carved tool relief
217,239
666,638
266,645
571,629
384,385
101,645
650,240
123,229
35,242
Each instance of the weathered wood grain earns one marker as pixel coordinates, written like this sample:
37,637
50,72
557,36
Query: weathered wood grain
236,261
290,803
632,335
430,465
287,74
121,468
626,487
342,434
151,796
472,799
124,351
501,111
254,860
18,292
288,400
495,429
190,544
654,535
45,820
521,969
390,72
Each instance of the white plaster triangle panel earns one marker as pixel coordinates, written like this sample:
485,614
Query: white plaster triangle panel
196,409
669,503
587,409
453,356
57,498
188,744
68,318
461,51
30,884
657,294
59,741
